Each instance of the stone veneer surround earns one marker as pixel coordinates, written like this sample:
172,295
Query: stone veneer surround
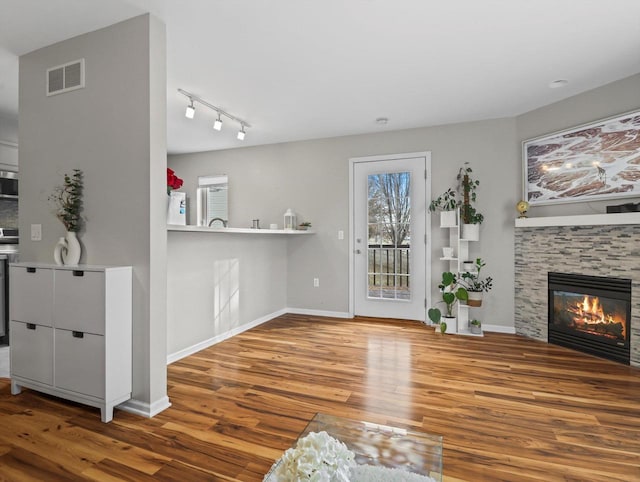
607,250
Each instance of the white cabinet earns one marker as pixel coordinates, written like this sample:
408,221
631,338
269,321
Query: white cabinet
460,248
71,332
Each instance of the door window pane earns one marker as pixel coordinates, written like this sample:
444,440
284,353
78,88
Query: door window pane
389,240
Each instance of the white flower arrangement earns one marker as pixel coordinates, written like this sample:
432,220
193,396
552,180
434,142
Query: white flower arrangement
318,457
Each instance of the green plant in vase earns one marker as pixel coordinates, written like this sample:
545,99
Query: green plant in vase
451,293
67,199
475,284
447,203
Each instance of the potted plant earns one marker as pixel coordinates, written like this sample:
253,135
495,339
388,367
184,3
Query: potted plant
475,285
304,226
470,217
446,203
68,203
475,326
451,294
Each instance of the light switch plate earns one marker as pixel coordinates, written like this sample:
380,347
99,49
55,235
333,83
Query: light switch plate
36,232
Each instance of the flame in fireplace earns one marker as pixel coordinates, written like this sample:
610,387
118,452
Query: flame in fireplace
590,316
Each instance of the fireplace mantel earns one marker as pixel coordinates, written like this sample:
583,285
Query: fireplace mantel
581,220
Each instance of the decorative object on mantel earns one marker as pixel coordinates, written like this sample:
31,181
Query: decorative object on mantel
68,201
585,163
177,202
289,220
304,226
624,208
522,207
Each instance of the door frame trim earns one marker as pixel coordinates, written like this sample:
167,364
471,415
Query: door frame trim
387,157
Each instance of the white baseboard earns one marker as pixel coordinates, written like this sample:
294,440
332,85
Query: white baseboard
190,350
499,328
145,409
330,314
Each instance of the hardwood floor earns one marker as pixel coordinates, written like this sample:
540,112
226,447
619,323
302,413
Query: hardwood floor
509,408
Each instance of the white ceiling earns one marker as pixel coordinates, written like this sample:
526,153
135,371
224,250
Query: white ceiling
304,69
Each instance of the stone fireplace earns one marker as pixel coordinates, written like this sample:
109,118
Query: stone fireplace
599,245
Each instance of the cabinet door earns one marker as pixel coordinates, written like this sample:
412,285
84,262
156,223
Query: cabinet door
79,362
31,295
32,352
78,302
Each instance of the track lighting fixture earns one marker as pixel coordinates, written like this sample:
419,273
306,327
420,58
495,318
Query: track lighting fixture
191,110
217,125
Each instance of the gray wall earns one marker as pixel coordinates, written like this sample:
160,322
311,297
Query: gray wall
114,130
312,178
606,101
220,283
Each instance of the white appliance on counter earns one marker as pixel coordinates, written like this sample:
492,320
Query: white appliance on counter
177,211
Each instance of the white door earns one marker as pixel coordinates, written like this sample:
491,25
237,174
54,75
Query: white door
388,236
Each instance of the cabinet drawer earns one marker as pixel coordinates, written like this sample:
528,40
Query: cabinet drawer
31,295
79,362
32,352
78,302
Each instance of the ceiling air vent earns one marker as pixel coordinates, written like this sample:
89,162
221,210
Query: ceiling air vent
64,78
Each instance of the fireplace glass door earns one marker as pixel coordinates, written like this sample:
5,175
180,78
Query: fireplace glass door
591,314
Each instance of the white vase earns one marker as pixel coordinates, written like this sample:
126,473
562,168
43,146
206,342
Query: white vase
448,219
71,255
471,232
452,324
61,245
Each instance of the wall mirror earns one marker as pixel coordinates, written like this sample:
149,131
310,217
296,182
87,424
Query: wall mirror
212,207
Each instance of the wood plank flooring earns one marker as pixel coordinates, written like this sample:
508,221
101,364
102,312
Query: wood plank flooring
509,408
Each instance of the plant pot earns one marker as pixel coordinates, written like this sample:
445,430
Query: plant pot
451,324
475,298
447,252
471,232
475,329
448,219
468,266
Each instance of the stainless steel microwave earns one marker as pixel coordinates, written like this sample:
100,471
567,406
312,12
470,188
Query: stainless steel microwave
8,184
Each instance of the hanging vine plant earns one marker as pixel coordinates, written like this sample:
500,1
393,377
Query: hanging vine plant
467,187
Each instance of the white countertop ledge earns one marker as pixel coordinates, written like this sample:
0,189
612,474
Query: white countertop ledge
205,229
580,220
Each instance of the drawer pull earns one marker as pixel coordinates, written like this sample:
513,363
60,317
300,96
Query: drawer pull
77,334
31,326
31,270
77,272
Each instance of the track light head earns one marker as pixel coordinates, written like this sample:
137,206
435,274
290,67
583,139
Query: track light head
191,110
217,125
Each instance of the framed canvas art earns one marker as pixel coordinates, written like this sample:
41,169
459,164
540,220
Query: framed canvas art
600,160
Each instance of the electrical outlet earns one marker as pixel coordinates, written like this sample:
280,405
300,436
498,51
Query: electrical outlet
340,234
316,282
36,232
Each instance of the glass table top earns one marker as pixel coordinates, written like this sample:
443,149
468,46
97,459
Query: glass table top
385,447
